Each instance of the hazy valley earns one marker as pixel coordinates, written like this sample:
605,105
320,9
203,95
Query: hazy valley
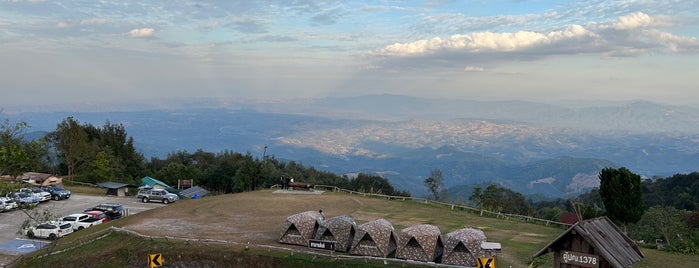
534,148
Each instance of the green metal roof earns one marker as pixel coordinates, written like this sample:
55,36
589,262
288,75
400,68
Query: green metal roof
150,182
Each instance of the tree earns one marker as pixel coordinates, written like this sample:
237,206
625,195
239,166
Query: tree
13,157
501,199
101,168
434,183
621,193
72,142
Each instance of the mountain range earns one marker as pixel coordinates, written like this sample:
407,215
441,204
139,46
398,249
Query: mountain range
550,150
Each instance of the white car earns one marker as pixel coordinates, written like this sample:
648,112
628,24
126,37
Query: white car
39,194
51,230
7,203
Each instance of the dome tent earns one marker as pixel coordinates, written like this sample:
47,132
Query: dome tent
340,229
299,228
376,238
422,242
463,247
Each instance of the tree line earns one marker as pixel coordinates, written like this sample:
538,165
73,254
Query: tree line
87,153
652,211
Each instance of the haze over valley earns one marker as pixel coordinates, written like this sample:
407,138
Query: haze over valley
551,150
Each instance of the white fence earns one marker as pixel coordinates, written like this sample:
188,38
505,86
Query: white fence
481,212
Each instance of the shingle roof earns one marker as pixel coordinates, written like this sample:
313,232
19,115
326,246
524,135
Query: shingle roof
607,239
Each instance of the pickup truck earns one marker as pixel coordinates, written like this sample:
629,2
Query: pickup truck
81,221
158,195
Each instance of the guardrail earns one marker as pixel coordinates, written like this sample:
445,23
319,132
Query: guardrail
452,206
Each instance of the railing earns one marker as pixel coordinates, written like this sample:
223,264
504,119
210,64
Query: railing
452,206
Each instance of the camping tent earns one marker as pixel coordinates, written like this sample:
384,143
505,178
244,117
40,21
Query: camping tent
463,247
299,228
340,229
422,242
375,238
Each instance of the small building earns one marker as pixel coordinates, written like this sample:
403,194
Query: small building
43,179
116,188
595,242
155,184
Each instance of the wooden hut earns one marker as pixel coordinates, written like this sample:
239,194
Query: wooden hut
593,243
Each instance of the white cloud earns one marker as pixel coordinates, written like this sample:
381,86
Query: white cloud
473,69
64,24
631,35
631,21
142,33
485,42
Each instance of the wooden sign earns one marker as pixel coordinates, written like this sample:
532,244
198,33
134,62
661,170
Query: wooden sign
579,259
320,244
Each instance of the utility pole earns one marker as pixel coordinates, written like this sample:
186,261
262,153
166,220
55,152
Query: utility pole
264,154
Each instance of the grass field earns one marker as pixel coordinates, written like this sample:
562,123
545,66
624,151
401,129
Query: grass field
257,218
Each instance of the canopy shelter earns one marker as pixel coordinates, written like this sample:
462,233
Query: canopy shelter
116,188
301,227
340,229
422,242
463,247
376,238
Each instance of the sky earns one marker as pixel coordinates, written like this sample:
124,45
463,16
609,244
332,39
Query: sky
89,51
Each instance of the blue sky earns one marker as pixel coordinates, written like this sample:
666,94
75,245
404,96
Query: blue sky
54,52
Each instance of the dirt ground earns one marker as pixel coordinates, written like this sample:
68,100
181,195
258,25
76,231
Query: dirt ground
255,217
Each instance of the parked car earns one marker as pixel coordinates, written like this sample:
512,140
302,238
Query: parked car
7,204
57,193
98,215
23,199
42,195
159,195
81,221
51,230
113,210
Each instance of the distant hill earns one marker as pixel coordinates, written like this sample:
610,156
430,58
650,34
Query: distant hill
533,148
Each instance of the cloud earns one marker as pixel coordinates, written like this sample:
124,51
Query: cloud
250,26
639,20
94,21
142,33
473,69
631,35
486,42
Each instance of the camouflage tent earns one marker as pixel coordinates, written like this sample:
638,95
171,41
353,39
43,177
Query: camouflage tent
299,228
340,229
375,238
463,247
422,242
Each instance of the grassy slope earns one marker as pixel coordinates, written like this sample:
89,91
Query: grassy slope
257,218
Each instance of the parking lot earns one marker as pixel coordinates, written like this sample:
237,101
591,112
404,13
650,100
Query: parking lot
11,221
